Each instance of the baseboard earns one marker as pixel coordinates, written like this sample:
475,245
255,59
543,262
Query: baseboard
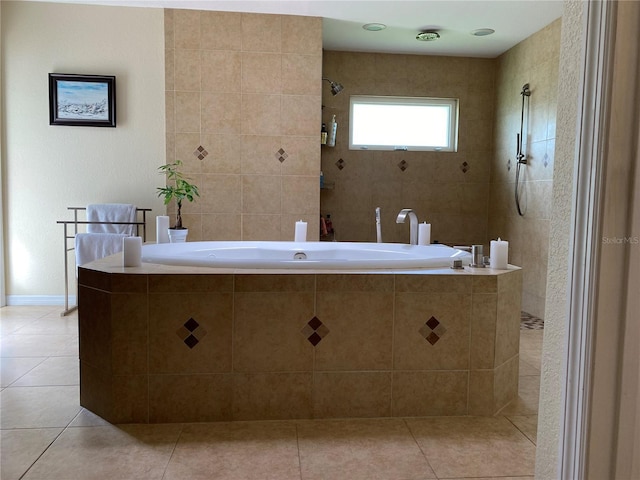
39,300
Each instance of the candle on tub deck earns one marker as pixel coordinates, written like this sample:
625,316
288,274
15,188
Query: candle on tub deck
301,231
162,227
499,254
132,251
424,233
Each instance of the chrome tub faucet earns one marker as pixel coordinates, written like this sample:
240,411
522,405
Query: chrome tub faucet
413,228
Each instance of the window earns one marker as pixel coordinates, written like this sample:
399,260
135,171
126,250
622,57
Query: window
403,123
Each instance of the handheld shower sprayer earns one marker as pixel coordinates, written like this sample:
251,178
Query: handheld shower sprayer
378,226
521,157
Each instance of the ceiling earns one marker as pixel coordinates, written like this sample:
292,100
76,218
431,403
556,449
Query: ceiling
512,20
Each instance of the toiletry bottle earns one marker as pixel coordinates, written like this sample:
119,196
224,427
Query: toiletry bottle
329,224
321,179
323,134
333,128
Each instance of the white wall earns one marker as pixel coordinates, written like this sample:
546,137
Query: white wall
47,168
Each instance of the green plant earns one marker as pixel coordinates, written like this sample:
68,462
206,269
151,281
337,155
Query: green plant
178,188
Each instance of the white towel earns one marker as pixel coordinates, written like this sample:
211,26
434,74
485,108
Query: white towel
111,212
93,246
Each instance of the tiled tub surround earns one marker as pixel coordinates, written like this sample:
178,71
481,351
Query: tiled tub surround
185,344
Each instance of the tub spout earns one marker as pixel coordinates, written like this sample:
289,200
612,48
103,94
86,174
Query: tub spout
413,219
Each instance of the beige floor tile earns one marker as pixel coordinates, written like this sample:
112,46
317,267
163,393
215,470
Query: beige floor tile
38,407
528,397
49,325
495,478
11,369
527,369
87,418
53,371
360,449
236,451
124,452
16,345
474,446
19,449
527,424
27,311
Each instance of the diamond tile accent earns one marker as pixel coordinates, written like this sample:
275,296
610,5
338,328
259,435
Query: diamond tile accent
340,164
432,330
281,155
465,167
509,165
200,152
314,331
546,160
191,333
403,165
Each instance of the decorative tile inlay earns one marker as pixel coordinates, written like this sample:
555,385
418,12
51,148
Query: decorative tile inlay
465,167
432,330
340,164
281,155
200,152
529,322
509,165
546,160
191,332
403,165
314,331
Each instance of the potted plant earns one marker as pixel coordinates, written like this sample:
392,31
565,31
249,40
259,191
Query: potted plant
178,188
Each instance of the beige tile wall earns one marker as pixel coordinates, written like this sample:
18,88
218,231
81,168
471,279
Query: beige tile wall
534,61
390,345
243,97
433,184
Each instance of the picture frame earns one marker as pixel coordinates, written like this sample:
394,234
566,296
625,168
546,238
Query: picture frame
82,100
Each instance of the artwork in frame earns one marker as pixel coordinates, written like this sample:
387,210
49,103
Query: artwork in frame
82,100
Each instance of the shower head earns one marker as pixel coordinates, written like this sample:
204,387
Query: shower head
336,87
525,90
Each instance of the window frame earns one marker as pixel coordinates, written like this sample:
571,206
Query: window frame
452,103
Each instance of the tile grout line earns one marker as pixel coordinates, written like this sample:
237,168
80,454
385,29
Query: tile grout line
64,429
173,450
298,447
404,419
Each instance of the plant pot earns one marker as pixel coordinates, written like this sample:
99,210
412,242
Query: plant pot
178,235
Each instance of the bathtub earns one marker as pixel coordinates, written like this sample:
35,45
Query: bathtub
303,255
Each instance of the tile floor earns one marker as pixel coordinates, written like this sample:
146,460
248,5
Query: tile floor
46,434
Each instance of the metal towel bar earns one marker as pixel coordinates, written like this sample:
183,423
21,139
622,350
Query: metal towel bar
71,236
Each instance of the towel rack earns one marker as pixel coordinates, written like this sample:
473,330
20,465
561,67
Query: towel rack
140,225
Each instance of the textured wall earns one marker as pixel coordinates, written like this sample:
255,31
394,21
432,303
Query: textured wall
450,190
243,114
534,61
554,349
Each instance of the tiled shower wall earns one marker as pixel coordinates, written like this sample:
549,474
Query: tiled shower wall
243,103
450,190
534,61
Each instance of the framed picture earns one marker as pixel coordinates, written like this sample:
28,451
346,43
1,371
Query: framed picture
82,100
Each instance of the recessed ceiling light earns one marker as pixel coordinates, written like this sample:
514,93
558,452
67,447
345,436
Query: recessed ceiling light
428,36
483,32
374,27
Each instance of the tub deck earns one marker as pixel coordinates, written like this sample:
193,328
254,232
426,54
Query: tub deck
163,343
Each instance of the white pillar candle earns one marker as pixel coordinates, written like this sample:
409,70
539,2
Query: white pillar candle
132,251
424,233
499,254
162,229
301,231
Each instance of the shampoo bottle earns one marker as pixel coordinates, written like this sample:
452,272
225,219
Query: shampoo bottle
333,129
